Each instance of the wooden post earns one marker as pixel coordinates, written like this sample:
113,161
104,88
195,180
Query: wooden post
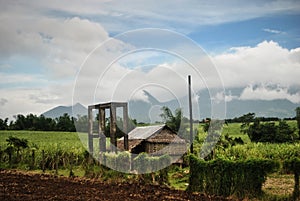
32,159
90,131
56,163
102,140
125,127
191,114
43,161
113,128
71,174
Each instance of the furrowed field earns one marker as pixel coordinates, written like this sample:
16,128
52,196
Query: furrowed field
64,153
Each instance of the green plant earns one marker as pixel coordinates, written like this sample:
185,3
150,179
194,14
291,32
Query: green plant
226,178
293,165
269,131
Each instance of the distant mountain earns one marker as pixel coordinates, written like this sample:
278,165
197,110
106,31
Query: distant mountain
58,111
149,111
281,108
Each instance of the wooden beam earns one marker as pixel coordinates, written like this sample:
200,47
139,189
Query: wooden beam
102,140
191,114
90,130
125,127
113,129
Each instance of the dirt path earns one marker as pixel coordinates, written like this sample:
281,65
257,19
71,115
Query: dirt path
16,185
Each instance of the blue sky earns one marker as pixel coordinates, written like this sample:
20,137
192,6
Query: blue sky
282,28
254,45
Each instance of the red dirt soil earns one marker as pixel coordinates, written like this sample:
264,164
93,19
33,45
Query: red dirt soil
17,185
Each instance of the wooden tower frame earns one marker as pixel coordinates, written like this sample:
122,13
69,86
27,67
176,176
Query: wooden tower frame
112,106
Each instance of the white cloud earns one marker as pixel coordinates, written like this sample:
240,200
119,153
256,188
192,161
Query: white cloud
3,101
181,15
273,31
45,32
267,62
36,100
19,102
7,79
264,92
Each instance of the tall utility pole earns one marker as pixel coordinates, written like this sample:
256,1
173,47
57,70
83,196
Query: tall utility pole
191,114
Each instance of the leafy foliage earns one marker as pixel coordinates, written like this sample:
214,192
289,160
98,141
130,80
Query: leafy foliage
298,119
65,123
293,165
172,121
267,132
39,123
227,178
4,124
175,122
215,139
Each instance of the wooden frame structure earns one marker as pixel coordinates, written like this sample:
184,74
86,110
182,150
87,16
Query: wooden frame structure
112,106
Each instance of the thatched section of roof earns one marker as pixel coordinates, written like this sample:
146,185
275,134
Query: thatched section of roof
152,134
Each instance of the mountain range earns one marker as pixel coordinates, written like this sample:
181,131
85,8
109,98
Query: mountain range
149,111
61,110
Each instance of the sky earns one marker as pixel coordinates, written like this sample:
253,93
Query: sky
60,52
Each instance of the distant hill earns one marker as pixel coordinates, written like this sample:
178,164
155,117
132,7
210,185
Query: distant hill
141,110
58,111
281,108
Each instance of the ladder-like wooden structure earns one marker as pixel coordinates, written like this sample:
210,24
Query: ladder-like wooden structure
112,106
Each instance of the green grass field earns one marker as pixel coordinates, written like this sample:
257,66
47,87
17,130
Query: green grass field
76,143
43,138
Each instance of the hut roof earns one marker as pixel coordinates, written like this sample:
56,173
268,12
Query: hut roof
152,134
143,133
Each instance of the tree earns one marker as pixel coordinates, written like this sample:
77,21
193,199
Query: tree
16,144
267,131
65,123
246,120
252,130
44,124
298,119
285,133
82,123
3,124
19,124
172,121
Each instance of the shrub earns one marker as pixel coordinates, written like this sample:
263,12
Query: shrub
269,132
293,165
226,178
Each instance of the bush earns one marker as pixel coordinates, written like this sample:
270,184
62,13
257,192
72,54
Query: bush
269,132
225,178
144,163
293,165
119,162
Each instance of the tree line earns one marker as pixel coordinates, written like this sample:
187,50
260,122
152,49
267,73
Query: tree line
260,131
68,123
39,123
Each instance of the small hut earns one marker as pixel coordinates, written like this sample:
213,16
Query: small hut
155,140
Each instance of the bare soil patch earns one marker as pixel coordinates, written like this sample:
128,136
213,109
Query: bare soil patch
17,185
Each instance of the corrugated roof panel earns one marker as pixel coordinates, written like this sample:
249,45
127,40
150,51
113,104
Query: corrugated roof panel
142,133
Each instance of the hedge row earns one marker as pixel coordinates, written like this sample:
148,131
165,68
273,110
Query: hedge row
293,165
141,164
227,178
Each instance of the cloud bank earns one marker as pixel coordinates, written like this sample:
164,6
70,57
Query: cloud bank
59,38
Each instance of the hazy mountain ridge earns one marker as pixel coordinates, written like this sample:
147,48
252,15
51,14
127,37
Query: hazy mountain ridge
140,109
58,111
